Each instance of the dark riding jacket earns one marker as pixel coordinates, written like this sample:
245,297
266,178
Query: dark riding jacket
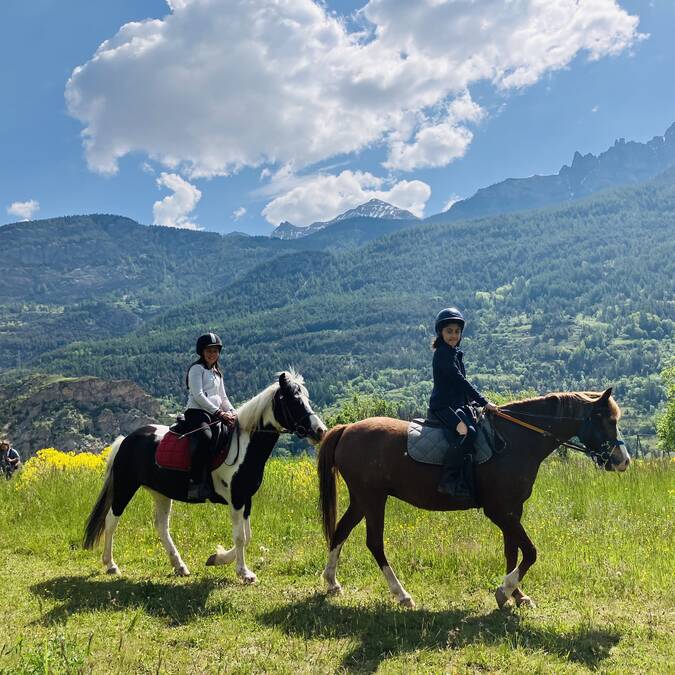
451,388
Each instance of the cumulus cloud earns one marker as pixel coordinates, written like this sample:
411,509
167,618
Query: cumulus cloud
322,197
218,85
238,213
174,210
24,210
437,142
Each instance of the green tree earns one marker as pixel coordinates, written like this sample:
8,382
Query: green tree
665,421
360,406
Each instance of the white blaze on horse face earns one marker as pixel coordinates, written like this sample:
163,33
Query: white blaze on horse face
318,427
316,424
620,455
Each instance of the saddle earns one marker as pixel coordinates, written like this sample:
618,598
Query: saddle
173,451
427,443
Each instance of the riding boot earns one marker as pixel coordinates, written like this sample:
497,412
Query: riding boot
452,482
198,489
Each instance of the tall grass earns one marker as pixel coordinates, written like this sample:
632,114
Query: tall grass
604,582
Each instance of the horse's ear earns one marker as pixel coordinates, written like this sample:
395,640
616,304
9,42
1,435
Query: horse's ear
283,380
605,397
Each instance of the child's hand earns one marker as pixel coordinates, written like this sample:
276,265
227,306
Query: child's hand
490,407
461,429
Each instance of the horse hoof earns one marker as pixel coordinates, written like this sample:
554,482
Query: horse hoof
211,562
182,571
501,597
526,601
334,589
114,570
407,602
248,577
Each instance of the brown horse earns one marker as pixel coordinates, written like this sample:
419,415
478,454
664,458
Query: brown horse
371,456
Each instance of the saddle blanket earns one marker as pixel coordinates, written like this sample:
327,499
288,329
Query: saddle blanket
427,444
173,452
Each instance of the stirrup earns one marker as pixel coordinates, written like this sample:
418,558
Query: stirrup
198,490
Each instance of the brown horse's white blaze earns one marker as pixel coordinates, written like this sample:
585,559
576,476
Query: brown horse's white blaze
372,459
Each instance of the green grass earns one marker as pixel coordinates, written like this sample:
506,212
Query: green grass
603,582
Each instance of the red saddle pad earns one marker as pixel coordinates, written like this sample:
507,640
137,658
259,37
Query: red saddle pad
173,452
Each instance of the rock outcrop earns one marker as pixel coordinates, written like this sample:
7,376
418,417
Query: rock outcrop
73,414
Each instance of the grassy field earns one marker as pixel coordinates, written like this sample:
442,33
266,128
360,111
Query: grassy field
604,583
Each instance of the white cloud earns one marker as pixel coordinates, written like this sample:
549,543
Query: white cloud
174,210
437,143
323,197
24,210
218,85
238,213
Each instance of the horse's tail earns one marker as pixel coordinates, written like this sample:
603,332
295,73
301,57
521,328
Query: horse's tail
96,521
327,484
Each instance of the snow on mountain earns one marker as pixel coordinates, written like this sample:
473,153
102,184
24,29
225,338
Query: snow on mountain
375,208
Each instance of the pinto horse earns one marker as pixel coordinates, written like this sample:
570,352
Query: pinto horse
282,407
371,456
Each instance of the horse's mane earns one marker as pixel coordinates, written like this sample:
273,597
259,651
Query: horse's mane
250,413
566,403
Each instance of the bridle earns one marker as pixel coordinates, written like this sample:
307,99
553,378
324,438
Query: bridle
601,456
301,428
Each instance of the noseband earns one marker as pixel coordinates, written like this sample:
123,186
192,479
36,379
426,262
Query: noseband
603,455
301,428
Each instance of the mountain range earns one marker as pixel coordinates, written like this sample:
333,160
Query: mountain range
577,296
625,163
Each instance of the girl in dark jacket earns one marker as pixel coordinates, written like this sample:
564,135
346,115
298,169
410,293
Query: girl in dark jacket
451,396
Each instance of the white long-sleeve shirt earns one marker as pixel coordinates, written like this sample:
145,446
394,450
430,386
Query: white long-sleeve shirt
206,390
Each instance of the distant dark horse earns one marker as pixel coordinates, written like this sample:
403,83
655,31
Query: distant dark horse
283,406
371,456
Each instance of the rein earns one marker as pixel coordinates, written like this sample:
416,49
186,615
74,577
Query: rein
539,430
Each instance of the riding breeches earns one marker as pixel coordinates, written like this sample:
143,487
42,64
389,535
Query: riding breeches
204,438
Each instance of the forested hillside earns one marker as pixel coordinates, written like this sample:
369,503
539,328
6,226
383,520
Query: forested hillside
580,297
89,277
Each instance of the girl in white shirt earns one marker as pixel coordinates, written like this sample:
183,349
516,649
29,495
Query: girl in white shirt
207,403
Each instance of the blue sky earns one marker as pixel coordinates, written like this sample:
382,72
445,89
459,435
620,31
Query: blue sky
233,115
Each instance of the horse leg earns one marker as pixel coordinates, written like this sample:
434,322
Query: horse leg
511,556
111,522
515,537
121,498
162,516
375,544
223,557
241,531
351,518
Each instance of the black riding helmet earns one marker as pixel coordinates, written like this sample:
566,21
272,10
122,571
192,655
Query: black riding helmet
208,340
446,316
